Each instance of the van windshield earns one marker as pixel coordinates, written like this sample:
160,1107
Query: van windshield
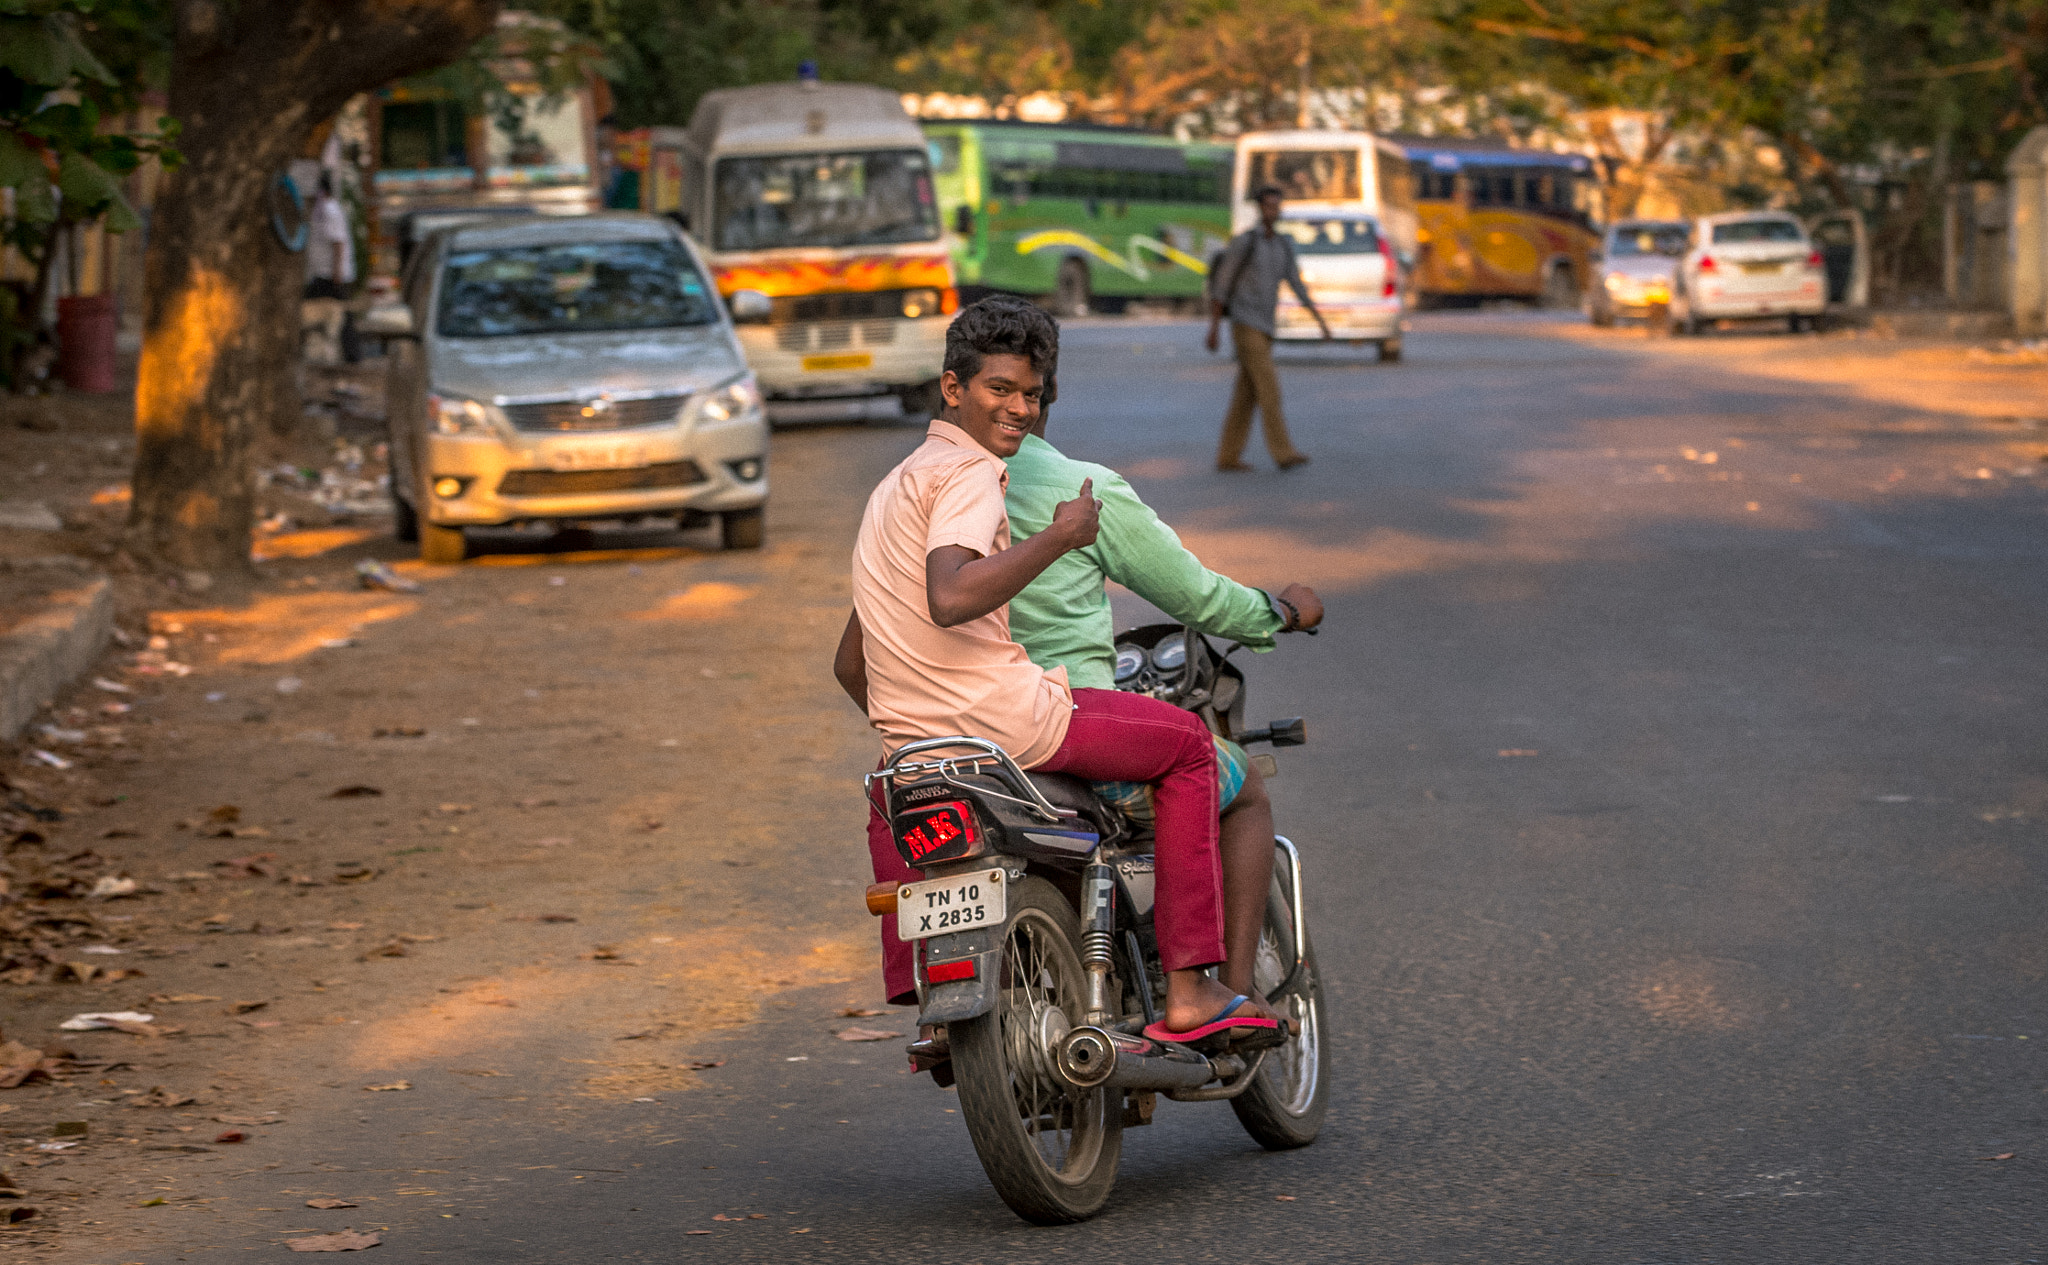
1330,237
866,198
1757,231
571,287
1309,175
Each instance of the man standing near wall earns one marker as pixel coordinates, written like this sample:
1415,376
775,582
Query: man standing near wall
1246,287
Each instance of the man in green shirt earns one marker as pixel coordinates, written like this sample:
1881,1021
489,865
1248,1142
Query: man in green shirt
1063,618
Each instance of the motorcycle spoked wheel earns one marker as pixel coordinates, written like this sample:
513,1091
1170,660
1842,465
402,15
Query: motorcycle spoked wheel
1049,1150
1284,1106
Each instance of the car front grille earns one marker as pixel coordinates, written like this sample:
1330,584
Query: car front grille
596,414
668,474
809,336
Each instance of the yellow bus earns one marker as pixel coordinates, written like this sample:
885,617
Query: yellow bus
1496,222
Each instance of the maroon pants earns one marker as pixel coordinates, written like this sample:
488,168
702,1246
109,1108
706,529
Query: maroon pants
1119,737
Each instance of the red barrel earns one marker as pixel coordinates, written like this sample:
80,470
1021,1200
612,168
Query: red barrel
85,342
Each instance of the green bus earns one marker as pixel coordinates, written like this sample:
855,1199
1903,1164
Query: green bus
1092,216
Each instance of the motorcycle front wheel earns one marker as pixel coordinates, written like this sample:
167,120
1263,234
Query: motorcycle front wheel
1050,1151
1284,1106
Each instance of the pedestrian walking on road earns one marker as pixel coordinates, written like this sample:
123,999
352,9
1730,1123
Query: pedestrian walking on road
1246,287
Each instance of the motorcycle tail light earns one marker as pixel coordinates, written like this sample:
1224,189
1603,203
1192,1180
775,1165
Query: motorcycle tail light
936,832
947,972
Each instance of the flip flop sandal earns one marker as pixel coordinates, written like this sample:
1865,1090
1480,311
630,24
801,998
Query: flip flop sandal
1223,1022
933,1055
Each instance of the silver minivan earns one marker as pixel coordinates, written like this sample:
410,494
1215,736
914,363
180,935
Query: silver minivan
571,370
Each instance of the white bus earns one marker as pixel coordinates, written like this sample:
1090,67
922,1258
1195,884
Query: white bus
815,205
1348,204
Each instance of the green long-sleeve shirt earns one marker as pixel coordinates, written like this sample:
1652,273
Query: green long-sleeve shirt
1062,618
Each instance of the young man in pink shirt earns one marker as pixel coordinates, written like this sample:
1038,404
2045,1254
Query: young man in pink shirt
928,651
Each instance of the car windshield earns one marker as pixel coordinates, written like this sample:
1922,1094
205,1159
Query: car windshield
1742,231
571,288
1331,237
1647,239
851,199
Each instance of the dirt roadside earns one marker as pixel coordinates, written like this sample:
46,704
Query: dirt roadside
535,824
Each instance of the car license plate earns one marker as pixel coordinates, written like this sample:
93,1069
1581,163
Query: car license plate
938,906
1768,268
605,457
844,360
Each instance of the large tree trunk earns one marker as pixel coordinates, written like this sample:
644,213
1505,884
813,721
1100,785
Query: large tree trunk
249,83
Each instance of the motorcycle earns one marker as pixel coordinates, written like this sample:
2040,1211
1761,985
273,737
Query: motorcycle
1034,948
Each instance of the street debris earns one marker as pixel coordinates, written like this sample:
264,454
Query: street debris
230,1136
372,574
860,1012
865,1034
345,1241
328,1205
389,1088
356,792
1509,753
123,1020
1995,1158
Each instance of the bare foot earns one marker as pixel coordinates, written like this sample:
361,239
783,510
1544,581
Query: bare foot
1193,999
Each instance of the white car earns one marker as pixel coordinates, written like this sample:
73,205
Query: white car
569,370
1348,264
1749,265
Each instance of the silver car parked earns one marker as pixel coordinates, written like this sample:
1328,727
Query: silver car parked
573,370
1638,261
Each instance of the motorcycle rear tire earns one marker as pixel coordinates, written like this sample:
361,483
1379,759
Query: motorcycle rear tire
1006,1105
1285,1105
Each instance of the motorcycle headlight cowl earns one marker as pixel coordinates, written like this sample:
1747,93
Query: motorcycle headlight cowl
741,395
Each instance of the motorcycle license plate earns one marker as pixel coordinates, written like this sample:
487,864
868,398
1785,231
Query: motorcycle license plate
939,906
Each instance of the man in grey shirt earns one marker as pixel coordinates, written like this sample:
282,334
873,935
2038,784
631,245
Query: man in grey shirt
1246,286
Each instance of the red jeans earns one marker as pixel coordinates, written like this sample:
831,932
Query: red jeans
1119,737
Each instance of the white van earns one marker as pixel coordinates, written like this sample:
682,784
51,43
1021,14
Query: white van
815,206
1328,172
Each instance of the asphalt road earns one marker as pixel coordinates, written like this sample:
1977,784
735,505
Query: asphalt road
1674,825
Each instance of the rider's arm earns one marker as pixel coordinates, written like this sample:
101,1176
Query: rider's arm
962,584
1145,556
850,663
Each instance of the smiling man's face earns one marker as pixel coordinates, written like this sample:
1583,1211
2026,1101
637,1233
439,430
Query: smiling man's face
998,406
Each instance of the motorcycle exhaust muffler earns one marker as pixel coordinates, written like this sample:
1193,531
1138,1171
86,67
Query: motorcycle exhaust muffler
1093,1057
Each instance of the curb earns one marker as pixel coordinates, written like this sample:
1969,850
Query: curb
47,651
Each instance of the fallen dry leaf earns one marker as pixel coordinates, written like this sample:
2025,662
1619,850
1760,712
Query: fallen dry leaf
1286,1199
379,1089
182,998
224,815
244,1007
329,1203
1508,753
2006,1156
478,1071
18,1213
701,1065
857,1012
354,792
231,1136
346,1241
865,1034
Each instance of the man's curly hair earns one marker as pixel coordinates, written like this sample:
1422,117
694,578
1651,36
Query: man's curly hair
1002,325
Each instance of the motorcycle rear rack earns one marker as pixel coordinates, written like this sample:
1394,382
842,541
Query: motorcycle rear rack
947,768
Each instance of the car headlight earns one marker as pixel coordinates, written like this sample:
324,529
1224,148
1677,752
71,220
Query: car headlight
918,303
453,415
1617,280
739,396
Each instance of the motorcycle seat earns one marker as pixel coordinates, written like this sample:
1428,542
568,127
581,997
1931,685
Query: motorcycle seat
1065,791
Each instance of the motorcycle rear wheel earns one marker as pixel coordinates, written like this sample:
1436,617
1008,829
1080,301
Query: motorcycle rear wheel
1050,1151
1285,1104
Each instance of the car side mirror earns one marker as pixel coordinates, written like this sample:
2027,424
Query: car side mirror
681,218
387,320
750,307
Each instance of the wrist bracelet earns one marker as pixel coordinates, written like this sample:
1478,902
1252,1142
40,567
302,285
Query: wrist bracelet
1293,614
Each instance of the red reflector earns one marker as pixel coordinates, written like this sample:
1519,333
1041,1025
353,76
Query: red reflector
947,972
1706,263
1815,261
949,301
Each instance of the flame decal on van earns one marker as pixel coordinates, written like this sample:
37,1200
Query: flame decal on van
780,277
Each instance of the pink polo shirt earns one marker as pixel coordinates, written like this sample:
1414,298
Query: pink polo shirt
925,681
